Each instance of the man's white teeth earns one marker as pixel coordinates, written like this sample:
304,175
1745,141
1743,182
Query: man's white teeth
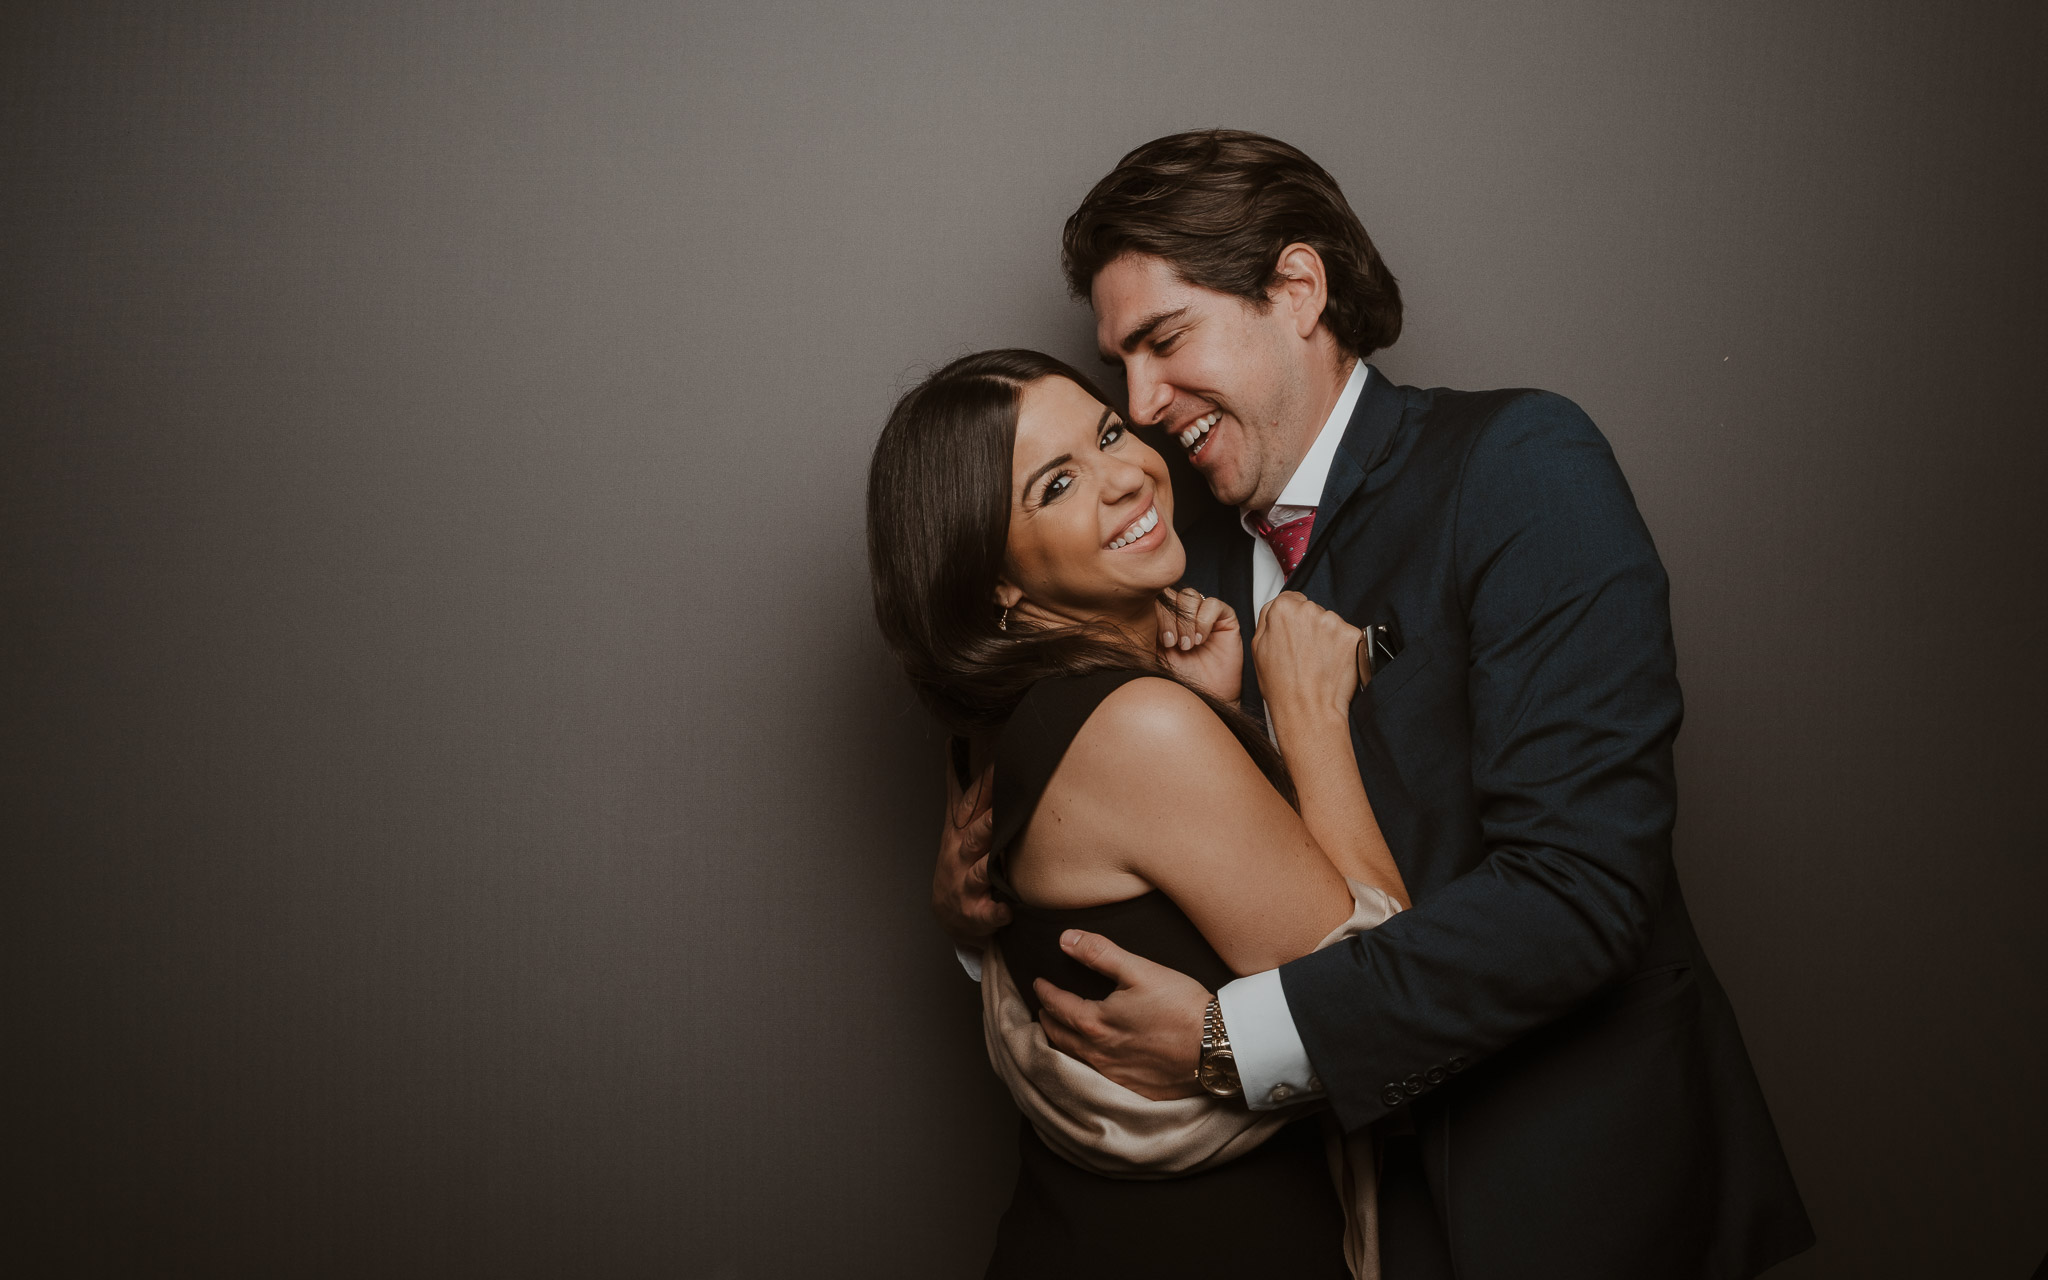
1137,529
1198,428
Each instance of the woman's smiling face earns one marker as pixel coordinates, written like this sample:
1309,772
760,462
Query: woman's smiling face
1091,512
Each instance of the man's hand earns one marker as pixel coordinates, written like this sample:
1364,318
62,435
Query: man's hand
960,895
1146,1035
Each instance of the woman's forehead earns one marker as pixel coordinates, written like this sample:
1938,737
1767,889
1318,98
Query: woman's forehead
1054,415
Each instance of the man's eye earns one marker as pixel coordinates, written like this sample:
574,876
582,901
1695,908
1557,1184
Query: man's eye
1166,344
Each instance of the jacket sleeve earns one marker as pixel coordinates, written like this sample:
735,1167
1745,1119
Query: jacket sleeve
1574,705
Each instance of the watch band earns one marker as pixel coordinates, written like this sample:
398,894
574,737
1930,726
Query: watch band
1216,1068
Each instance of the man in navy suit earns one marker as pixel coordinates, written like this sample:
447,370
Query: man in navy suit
1558,1079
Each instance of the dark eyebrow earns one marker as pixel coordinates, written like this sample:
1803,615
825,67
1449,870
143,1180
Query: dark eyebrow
1144,328
1031,481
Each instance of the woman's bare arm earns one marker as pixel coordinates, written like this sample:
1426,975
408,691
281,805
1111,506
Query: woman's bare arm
1155,792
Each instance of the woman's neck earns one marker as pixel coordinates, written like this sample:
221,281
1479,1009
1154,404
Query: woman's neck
1136,629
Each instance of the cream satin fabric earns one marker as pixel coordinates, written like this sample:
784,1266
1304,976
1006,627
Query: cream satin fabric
1099,1125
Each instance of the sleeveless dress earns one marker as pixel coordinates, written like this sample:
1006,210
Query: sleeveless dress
1270,1213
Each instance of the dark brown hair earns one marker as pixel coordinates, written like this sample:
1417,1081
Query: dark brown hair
1220,205
938,526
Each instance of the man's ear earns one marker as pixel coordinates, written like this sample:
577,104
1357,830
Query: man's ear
1303,289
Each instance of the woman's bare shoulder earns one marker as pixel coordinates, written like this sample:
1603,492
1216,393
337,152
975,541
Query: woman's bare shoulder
1155,739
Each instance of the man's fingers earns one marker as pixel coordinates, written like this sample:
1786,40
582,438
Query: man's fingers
991,915
963,806
1105,957
975,836
967,842
1074,1015
1057,1033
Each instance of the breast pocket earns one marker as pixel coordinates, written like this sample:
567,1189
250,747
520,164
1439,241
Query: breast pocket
1393,676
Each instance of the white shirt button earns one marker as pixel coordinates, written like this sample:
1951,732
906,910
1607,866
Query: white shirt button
1281,1093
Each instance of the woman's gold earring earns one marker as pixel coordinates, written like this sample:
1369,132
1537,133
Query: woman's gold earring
1003,623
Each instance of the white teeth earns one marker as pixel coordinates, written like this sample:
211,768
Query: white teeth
1137,529
1198,428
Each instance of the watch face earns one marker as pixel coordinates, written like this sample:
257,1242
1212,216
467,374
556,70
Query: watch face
1218,1073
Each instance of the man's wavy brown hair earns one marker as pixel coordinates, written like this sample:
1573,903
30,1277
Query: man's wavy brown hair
1220,205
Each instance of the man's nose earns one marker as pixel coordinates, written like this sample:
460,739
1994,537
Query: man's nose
1149,395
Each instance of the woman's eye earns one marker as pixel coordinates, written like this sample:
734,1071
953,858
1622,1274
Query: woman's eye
1112,436
1055,487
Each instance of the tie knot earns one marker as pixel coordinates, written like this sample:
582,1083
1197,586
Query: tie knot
1289,540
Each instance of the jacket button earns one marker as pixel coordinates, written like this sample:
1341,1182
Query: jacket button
1456,1065
1392,1095
1413,1084
1435,1075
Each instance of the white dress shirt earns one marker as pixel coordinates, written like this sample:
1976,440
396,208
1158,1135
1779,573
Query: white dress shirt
1271,1060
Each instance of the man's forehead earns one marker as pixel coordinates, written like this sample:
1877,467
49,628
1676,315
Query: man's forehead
1134,295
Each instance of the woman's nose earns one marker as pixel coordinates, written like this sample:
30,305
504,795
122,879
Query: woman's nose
1120,479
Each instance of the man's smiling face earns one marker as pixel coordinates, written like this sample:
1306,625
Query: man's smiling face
1224,378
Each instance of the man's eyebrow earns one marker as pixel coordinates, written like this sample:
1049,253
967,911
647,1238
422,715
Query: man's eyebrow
1144,328
1032,479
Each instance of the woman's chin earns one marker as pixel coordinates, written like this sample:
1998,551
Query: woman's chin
1155,570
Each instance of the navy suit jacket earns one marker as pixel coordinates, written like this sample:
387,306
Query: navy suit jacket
1544,1014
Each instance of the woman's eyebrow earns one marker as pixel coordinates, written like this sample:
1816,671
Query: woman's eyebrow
1060,461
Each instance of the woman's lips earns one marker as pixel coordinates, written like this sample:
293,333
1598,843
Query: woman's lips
1137,530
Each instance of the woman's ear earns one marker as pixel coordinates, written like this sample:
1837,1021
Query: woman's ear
1007,594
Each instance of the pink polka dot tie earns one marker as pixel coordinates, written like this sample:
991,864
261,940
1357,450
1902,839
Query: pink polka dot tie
1289,541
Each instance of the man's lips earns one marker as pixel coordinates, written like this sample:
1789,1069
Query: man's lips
1196,437
1137,530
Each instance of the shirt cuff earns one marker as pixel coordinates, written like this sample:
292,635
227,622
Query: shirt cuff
971,961
1272,1063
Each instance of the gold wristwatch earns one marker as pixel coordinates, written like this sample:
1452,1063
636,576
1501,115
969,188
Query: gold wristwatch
1216,1069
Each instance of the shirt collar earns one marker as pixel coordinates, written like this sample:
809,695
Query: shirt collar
1304,489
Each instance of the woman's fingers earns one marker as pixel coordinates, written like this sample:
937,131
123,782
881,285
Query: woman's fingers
1180,625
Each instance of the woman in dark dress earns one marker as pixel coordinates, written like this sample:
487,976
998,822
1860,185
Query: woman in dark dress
1024,560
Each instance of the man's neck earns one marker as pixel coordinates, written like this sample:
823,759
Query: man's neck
1326,387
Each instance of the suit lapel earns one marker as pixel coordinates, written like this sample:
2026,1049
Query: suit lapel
1367,438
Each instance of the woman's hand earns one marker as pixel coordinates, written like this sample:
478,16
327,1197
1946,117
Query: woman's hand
1307,658
1200,642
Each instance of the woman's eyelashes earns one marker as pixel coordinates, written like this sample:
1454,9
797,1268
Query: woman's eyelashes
1060,482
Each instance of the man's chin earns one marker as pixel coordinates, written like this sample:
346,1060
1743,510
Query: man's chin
1226,486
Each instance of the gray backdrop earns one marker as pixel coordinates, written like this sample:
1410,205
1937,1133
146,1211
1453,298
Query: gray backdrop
459,816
